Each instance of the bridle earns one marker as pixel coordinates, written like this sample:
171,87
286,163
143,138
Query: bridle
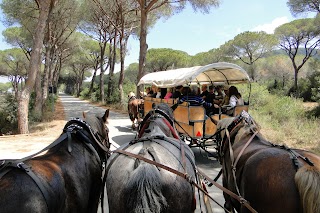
132,98
230,132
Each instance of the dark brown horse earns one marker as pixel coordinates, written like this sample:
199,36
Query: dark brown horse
134,107
67,178
270,177
134,185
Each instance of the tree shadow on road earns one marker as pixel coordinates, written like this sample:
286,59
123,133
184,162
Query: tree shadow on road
127,128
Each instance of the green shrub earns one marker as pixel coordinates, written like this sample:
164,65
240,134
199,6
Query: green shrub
8,115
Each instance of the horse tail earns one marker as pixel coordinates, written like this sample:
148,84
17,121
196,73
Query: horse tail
143,190
307,180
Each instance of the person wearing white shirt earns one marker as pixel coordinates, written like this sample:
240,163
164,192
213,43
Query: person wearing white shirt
235,97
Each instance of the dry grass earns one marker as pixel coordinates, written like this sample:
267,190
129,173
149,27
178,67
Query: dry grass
46,131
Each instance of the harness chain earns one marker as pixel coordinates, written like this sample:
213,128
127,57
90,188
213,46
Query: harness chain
294,156
230,128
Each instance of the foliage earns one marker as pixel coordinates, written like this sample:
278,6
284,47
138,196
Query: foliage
165,58
299,33
283,119
8,114
95,94
298,7
248,47
4,87
204,58
131,72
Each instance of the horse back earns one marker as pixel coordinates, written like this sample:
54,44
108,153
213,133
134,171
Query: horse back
176,193
266,178
67,183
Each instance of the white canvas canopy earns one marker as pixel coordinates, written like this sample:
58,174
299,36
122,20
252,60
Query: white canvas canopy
218,73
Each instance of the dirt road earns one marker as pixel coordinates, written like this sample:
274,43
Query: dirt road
120,132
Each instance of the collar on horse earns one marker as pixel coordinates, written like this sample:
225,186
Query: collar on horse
75,126
157,113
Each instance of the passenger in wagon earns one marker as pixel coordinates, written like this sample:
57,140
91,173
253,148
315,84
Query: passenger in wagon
235,97
168,94
193,98
178,92
158,95
211,98
154,91
220,93
235,100
204,91
149,92
226,97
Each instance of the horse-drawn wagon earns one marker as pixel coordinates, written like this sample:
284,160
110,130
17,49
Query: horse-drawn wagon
192,122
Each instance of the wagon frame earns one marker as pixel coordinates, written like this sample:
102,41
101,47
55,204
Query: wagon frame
192,123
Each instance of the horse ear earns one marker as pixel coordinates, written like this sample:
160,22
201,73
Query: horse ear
106,116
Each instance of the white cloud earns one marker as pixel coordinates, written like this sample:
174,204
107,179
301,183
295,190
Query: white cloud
269,28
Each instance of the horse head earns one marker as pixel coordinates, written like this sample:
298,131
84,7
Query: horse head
131,95
159,121
233,129
98,126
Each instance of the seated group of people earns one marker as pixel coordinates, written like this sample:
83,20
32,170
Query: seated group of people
217,98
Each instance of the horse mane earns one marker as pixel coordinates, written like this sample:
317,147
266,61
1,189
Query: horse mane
246,128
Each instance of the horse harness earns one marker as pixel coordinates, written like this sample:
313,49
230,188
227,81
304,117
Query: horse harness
230,132
79,129
156,113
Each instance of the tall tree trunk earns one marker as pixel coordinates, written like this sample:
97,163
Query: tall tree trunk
34,67
45,84
38,102
143,46
296,90
46,70
112,64
57,70
102,70
123,48
92,80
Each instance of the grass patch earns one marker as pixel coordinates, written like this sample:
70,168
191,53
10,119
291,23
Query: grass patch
284,120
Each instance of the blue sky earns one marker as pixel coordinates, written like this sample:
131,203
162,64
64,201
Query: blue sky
196,32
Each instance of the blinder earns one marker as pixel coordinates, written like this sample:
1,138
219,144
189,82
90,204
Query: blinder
243,116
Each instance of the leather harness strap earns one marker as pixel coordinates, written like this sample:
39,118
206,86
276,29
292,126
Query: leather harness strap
235,196
183,175
69,129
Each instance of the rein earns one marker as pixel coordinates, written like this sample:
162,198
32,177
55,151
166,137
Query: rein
230,130
185,175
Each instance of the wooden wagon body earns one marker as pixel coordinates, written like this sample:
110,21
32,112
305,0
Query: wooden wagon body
191,121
